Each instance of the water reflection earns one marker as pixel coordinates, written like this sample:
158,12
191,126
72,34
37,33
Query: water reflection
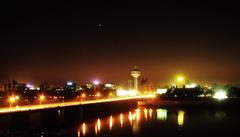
134,120
110,123
138,115
180,118
78,133
145,114
137,122
130,117
150,113
84,129
121,120
162,114
98,126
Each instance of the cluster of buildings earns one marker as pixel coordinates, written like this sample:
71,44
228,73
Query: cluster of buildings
72,90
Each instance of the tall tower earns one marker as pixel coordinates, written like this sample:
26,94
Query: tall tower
135,73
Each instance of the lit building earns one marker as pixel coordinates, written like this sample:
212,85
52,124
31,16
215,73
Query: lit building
70,86
136,73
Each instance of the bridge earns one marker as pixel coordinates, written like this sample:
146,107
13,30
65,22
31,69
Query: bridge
67,104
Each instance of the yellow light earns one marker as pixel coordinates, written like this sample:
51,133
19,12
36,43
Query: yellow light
150,113
17,97
145,113
42,97
84,128
12,99
98,94
78,133
110,123
121,119
83,95
98,124
220,95
130,117
122,93
138,115
96,130
161,91
180,79
110,94
161,114
181,117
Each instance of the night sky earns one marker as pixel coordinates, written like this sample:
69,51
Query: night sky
61,41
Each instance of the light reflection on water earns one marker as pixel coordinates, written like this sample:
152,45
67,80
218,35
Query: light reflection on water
133,120
136,122
180,117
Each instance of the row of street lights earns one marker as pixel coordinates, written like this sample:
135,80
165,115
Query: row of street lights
13,99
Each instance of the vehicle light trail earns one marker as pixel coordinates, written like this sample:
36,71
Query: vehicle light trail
65,104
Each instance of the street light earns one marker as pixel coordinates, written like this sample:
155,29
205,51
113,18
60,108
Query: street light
98,94
41,98
11,100
180,78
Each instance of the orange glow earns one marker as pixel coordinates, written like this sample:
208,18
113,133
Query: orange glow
138,115
121,120
78,133
130,117
83,95
98,94
150,113
62,104
145,113
99,125
84,128
41,97
12,99
110,123
96,130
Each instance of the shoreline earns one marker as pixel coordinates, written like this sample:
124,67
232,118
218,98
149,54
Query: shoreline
228,103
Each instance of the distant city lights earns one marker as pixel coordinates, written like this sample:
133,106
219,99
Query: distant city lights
220,95
126,92
109,85
96,82
161,91
69,83
192,85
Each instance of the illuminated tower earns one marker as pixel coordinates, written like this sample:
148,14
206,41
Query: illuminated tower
135,73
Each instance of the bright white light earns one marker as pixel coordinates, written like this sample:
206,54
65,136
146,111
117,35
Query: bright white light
161,90
192,85
220,95
108,85
69,83
32,88
126,93
96,82
29,86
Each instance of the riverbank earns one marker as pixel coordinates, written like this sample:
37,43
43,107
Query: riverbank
158,102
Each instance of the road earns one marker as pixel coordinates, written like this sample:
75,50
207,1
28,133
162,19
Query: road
65,104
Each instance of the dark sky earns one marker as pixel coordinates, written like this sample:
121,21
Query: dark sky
71,40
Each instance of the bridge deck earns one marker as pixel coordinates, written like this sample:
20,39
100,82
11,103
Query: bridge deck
64,104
